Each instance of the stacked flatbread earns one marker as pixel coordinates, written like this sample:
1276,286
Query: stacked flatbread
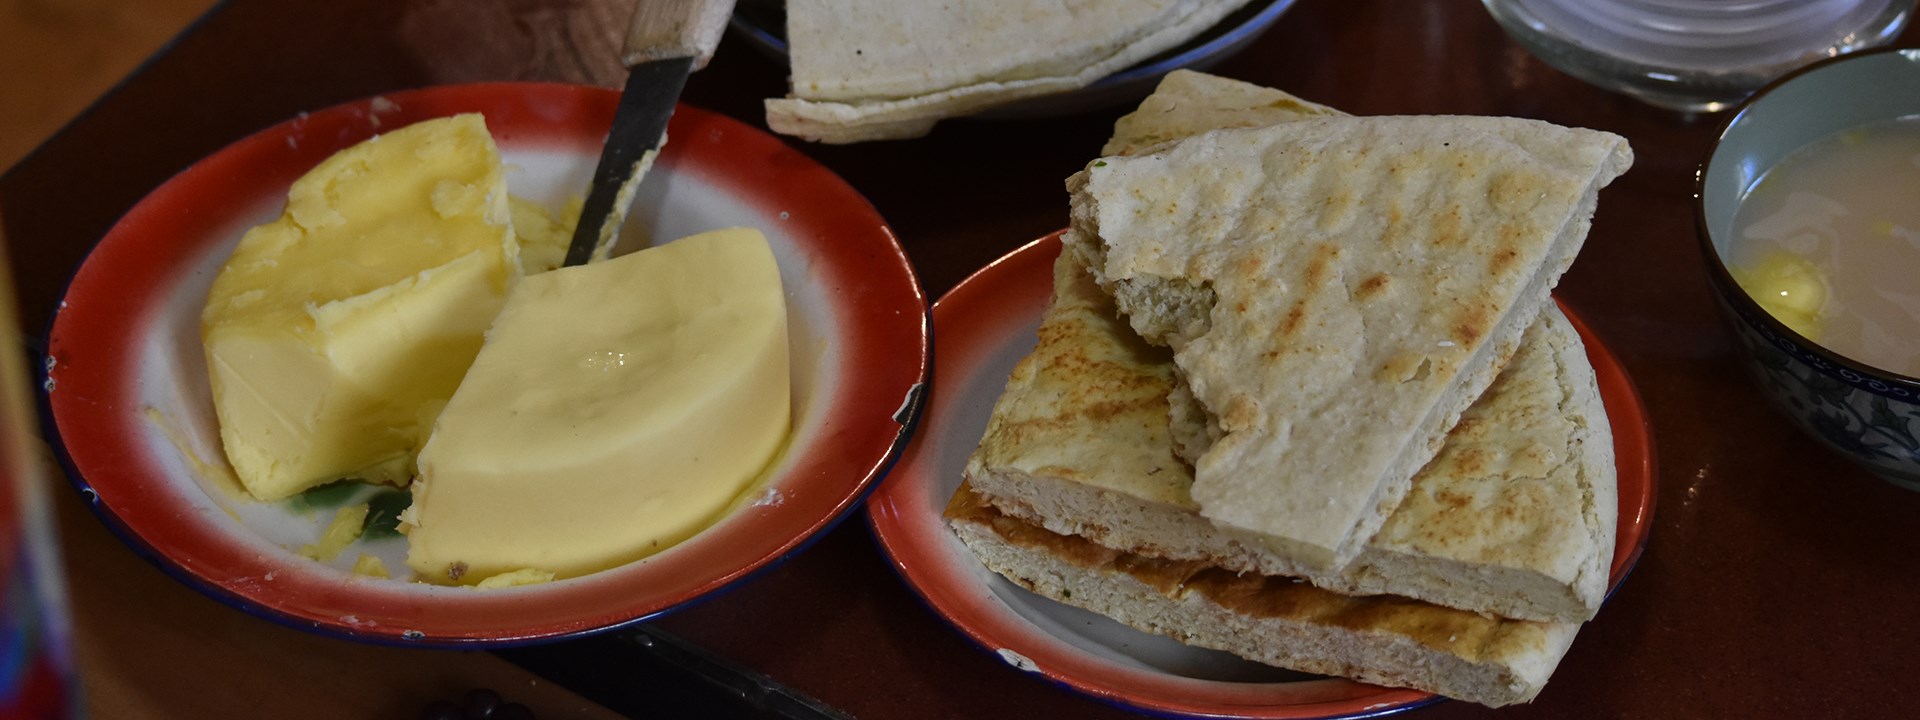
1260,339
889,69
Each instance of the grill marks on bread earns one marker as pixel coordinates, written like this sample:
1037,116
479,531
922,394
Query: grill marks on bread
1468,220
1277,620
1124,479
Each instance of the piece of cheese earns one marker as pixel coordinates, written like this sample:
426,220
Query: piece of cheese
370,566
616,409
334,334
343,531
516,578
543,237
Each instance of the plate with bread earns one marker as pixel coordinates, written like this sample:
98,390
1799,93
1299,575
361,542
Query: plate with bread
890,70
1288,423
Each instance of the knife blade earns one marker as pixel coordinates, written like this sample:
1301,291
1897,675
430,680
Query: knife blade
667,40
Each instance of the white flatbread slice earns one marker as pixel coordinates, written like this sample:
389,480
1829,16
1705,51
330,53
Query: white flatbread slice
1275,620
1337,290
889,69
1187,103
1514,518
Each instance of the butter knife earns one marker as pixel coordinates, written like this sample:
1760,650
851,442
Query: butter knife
667,40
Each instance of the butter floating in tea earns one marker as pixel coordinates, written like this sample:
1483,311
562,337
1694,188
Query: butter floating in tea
1828,242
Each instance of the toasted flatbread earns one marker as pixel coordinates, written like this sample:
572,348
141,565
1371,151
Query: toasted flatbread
1275,620
1187,103
1076,444
889,69
1515,516
1336,291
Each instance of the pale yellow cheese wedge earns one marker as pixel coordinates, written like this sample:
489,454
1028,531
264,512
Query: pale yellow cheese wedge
617,409
342,531
516,578
334,334
370,566
543,237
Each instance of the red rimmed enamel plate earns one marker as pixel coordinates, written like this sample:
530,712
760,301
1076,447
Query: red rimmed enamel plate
130,407
986,325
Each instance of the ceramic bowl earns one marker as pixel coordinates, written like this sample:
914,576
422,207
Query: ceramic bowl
129,409
1867,414
763,24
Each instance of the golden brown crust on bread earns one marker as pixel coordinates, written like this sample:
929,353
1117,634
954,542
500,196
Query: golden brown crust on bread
1514,518
1520,501
1187,103
1275,620
1371,275
1089,404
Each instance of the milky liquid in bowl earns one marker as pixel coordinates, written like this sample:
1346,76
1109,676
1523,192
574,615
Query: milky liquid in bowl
1828,241
1865,414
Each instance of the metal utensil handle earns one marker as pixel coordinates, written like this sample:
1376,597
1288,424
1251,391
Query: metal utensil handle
664,29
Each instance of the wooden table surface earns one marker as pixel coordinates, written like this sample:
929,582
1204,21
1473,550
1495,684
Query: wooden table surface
1780,581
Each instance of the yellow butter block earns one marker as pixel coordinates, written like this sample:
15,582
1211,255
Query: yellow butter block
516,578
544,237
616,409
334,333
345,528
1791,289
370,566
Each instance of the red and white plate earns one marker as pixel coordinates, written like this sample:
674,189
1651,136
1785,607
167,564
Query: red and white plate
126,383
987,324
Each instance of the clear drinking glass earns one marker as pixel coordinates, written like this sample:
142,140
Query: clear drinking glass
36,661
1694,55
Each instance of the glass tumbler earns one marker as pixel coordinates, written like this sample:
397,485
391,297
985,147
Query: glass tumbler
36,661
1694,55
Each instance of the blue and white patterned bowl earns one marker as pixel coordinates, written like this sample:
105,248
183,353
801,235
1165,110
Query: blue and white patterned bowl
1867,414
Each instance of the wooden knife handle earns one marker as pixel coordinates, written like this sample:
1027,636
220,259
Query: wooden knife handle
666,29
